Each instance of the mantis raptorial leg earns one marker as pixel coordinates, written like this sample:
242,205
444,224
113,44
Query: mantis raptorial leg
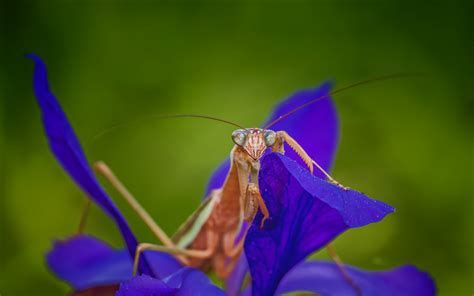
253,193
250,194
305,157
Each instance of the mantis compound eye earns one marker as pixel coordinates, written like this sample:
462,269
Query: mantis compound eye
239,136
269,137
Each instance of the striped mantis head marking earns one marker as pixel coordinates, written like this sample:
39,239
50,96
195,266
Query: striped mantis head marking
254,140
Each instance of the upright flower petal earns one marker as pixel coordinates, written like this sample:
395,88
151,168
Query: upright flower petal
315,128
306,213
67,150
324,278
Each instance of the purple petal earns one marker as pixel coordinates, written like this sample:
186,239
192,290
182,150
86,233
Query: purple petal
185,282
236,278
145,285
191,281
86,262
67,150
315,128
306,213
324,278
162,264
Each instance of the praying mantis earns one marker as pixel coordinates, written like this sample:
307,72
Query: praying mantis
208,236
211,238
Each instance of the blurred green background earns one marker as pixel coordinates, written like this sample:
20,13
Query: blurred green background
407,142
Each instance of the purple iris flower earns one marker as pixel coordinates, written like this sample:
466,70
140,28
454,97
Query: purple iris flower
306,213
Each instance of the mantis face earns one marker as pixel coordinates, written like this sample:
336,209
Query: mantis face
254,140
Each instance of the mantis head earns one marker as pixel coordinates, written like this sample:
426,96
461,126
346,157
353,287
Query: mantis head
254,140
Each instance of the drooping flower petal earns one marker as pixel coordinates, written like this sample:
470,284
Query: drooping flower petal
185,282
324,278
85,262
315,128
306,213
67,150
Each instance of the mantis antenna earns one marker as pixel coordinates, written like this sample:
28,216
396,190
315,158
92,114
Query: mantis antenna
386,77
166,117
198,116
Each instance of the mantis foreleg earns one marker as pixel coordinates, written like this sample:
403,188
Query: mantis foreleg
253,195
250,194
283,137
302,153
243,171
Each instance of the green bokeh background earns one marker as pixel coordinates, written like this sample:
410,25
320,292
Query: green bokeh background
407,142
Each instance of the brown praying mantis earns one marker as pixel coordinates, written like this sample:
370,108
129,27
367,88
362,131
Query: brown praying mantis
208,238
